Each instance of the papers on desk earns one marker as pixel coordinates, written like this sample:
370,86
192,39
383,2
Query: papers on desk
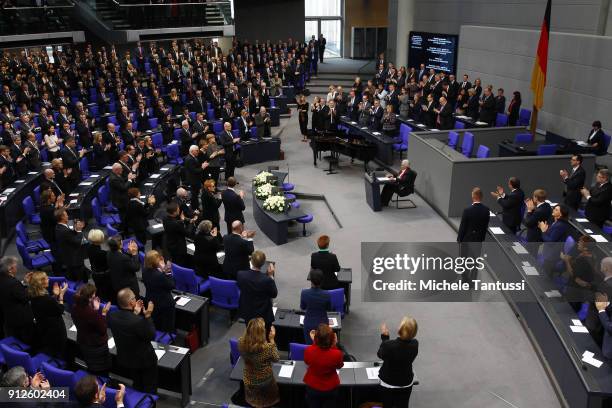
72,328
421,125
32,172
588,231
579,329
435,130
529,270
182,301
74,201
19,181
301,320
9,190
157,226
582,220
353,123
581,143
589,358
148,184
372,372
73,195
160,354
462,117
165,168
497,230
286,371
553,294
178,350
599,238
111,343
481,123
154,176
376,133
576,322
519,249
191,247
108,167
94,175
85,183
383,179
333,322
364,128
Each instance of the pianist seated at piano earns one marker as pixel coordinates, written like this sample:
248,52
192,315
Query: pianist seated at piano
402,184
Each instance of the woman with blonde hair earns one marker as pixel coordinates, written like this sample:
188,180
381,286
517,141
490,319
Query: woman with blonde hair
396,375
260,388
48,310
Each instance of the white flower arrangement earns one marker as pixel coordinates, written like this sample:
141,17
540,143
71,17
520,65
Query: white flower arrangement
264,191
261,178
276,204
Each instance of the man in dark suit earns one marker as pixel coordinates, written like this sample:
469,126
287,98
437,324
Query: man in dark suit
89,394
198,104
472,231
487,108
452,91
466,84
402,184
193,173
175,234
538,210
596,139
71,159
71,245
500,101
472,105
118,190
376,114
327,262
227,140
48,182
598,199
14,302
244,125
122,267
133,331
511,203
603,308
233,202
257,289
444,120
238,246
574,181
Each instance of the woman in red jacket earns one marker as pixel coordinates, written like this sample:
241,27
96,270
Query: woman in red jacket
323,358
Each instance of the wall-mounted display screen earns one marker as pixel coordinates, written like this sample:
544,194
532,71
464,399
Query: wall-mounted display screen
437,51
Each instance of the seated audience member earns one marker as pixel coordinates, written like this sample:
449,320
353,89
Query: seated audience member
537,210
233,202
581,270
323,358
92,333
123,267
159,283
260,388
99,264
175,234
70,246
511,203
238,246
89,394
257,289
316,302
402,184
138,213
133,331
17,377
326,262
396,375
210,204
14,303
596,139
574,182
207,245
48,310
598,198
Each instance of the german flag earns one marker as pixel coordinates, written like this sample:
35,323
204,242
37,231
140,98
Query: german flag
538,76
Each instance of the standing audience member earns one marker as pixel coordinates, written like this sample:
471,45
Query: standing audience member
327,262
89,394
123,267
99,264
511,203
316,302
70,244
598,199
323,358
238,246
14,303
92,334
175,234
257,289
159,283
472,232
574,182
233,202
537,210
260,388
207,245
138,213
396,375
211,204
133,331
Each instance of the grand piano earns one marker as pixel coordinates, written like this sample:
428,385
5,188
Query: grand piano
331,142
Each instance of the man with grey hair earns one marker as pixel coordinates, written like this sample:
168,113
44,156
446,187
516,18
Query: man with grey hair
238,246
402,184
598,199
194,174
227,140
186,137
119,187
17,377
17,315
182,199
49,182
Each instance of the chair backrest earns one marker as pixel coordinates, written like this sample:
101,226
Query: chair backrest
482,152
217,126
185,279
69,297
23,252
404,132
28,206
337,300
172,150
21,232
501,120
607,139
453,139
110,231
547,150
177,134
524,117
225,293
36,195
57,376
153,123
97,211
103,195
296,351
234,352
459,125
568,245
84,166
523,138
468,144
15,358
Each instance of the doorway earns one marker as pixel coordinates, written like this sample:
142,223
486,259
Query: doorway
325,17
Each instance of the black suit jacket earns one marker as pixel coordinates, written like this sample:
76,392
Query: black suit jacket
159,286
137,215
237,253
398,356
541,213
474,223
598,138
487,110
328,263
256,293
234,206
193,171
14,302
597,208
70,246
118,190
122,268
446,117
133,335
573,183
174,235
511,205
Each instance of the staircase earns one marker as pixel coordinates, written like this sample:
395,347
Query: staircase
110,16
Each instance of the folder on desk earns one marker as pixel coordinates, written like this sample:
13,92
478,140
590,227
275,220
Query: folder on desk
286,370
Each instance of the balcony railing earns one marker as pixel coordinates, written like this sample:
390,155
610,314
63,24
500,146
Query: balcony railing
50,16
